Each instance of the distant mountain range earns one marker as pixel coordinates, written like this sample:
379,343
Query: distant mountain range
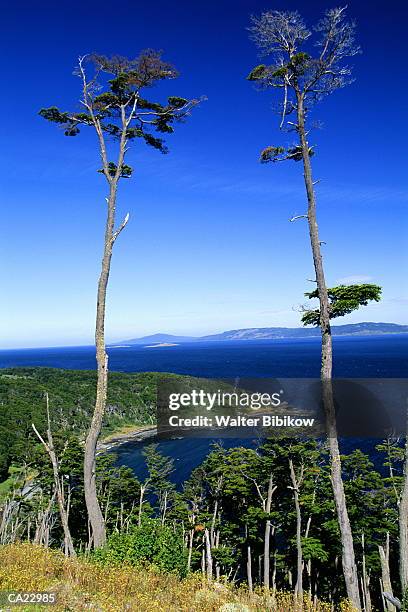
271,333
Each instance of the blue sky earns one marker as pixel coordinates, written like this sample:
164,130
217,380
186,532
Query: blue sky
208,246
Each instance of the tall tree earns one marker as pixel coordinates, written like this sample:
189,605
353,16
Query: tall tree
403,525
306,73
114,107
297,479
159,469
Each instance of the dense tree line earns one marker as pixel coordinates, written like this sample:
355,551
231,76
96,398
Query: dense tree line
131,399
237,515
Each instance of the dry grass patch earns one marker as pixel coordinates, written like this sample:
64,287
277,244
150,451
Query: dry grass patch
81,585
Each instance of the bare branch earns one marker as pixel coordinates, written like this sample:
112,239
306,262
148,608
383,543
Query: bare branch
285,105
296,217
88,104
120,228
43,442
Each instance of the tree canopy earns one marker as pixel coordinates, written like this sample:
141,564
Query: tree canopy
343,300
116,106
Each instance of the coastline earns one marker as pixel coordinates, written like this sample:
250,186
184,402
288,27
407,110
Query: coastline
136,434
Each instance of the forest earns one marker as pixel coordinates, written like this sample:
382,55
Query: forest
270,501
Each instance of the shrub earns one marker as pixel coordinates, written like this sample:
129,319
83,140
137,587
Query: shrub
151,543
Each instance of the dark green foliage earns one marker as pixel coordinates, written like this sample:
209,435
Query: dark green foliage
257,73
279,72
126,171
275,154
131,400
313,548
274,76
69,122
157,484
295,153
232,481
152,543
299,63
344,299
156,143
121,97
158,466
177,102
54,115
271,154
223,494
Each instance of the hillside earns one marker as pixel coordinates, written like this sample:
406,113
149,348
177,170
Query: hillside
131,400
79,585
157,338
272,333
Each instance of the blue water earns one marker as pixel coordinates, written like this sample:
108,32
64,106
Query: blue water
354,357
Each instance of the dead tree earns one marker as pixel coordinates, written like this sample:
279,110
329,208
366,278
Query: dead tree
365,580
115,108
297,480
386,585
268,527
305,76
249,569
403,520
144,488
208,555
266,502
58,483
44,522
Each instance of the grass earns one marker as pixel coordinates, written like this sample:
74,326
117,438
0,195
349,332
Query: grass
81,585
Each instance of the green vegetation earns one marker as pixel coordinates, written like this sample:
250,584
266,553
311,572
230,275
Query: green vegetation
131,400
153,544
215,526
343,300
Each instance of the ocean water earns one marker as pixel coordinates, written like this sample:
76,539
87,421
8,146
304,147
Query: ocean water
354,357
383,356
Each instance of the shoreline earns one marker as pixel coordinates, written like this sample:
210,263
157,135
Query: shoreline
138,434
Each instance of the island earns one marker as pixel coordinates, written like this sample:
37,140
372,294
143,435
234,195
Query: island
161,344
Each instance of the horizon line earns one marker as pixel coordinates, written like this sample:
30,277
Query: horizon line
120,343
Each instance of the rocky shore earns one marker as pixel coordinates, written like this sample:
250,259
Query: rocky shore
136,435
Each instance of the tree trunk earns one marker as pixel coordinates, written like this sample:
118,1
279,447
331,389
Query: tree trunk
208,555
91,498
348,556
249,569
69,549
274,572
164,508
267,537
139,518
386,586
403,524
299,578
365,580
190,549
